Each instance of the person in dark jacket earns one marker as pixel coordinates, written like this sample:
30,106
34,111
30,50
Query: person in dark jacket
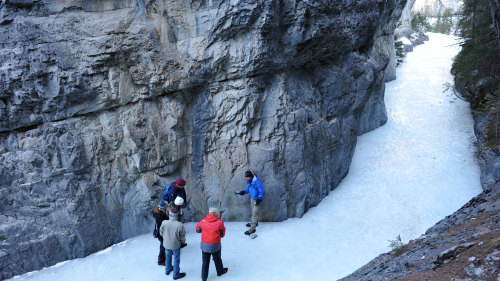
174,190
256,189
212,229
160,215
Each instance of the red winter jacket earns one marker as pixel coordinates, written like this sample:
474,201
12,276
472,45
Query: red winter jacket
212,229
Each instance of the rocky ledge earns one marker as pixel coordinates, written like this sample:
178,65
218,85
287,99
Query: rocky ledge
462,246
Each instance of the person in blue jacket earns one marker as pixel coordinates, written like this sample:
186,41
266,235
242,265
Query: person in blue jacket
175,189
256,190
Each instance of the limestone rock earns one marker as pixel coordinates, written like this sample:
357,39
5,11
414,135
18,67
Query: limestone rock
103,103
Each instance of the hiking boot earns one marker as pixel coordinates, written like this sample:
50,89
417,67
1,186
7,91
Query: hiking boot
224,271
181,275
250,224
250,231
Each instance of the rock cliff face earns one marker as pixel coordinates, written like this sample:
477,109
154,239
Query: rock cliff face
403,29
103,103
405,20
432,8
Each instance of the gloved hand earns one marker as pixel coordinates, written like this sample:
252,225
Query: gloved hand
240,193
257,201
183,245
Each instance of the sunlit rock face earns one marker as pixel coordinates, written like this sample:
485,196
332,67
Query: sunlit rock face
434,8
405,19
403,29
103,103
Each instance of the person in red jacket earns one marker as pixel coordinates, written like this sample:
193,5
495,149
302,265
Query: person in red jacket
212,229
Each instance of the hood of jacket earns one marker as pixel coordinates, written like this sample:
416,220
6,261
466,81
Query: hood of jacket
211,218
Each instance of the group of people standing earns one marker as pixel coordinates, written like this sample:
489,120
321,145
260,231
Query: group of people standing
172,234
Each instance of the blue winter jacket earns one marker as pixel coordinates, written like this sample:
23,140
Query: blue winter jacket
255,188
171,193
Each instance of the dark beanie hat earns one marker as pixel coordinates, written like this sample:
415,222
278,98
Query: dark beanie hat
180,182
248,174
173,212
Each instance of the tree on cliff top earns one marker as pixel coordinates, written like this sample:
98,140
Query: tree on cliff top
477,66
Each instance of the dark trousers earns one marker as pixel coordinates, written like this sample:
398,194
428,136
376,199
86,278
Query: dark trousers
206,262
161,255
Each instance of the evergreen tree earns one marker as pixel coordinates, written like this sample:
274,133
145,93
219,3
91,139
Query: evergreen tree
444,22
419,22
400,53
477,66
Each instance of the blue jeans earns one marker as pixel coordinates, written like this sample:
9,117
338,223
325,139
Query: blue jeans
177,261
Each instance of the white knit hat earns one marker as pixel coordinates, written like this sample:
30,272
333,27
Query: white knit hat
178,201
213,211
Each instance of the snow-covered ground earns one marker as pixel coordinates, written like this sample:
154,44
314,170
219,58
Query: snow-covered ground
404,177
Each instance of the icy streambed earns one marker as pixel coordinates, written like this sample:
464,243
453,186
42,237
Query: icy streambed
404,177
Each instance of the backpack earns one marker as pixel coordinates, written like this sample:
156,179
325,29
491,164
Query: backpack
170,189
155,232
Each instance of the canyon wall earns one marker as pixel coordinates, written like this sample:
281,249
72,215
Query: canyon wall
103,103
